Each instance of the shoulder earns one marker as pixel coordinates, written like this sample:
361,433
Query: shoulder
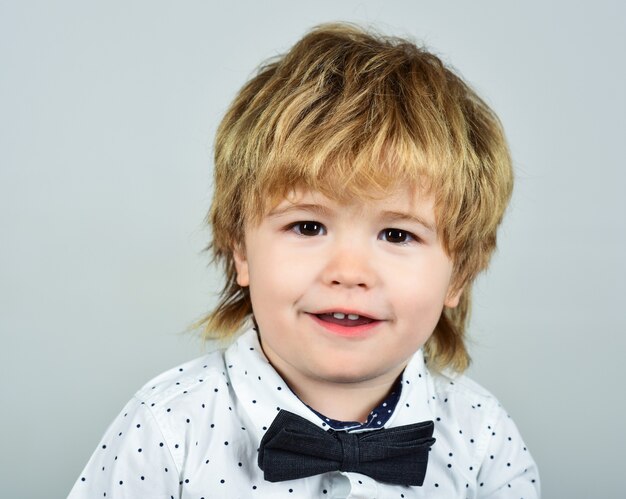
150,438
464,390
185,381
183,402
473,420
467,412
465,400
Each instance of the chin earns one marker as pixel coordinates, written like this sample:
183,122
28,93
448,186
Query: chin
346,374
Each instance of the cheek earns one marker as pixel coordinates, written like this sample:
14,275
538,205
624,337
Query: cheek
275,280
266,272
282,264
422,290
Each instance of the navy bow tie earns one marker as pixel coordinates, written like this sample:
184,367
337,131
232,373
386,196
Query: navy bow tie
293,447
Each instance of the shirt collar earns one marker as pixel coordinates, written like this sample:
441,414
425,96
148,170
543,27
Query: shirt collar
376,419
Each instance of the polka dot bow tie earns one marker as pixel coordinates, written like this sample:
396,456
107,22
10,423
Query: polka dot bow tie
295,448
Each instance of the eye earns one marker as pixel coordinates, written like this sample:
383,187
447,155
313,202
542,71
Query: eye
308,228
397,236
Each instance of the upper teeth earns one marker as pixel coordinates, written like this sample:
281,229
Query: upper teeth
339,315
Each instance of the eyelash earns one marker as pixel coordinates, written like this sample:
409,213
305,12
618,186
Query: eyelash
294,227
298,226
410,237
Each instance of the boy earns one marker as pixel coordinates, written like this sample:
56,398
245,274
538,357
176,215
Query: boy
359,184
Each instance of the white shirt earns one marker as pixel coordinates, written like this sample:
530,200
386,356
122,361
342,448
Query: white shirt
193,432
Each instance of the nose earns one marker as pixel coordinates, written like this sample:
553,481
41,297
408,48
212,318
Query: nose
349,265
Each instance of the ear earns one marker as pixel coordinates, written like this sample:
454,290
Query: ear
241,265
453,297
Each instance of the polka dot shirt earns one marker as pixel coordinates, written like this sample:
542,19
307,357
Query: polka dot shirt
193,432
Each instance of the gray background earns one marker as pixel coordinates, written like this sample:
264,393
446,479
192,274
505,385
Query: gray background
107,112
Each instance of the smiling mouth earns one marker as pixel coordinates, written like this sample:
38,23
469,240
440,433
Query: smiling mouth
347,320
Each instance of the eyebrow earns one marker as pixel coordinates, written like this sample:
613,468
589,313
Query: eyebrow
409,217
392,216
314,208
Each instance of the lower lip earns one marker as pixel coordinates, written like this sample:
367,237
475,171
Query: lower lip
347,331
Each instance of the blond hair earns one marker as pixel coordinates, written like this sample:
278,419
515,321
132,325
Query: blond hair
352,114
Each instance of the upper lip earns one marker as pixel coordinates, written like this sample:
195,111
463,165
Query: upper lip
346,311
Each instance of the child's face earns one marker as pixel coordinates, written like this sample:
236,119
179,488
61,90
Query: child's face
310,257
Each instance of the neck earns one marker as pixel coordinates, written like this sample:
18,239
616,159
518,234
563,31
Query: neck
350,400
346,401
